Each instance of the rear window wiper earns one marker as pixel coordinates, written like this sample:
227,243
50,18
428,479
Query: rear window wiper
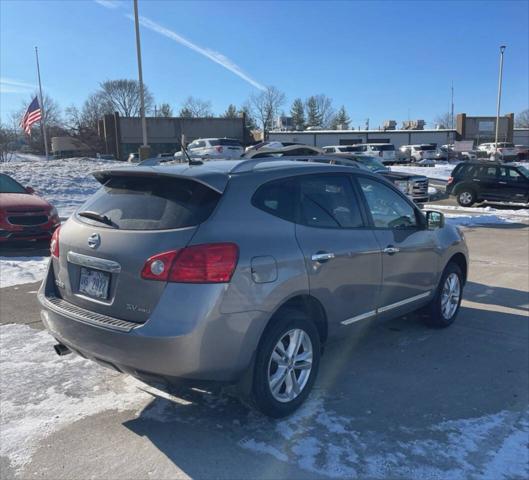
97,217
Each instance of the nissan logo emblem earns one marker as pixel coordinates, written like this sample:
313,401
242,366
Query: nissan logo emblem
94,240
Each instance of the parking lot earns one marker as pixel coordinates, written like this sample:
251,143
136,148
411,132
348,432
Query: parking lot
394,400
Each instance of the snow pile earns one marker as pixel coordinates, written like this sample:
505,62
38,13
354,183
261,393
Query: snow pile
441,170
522,212
40,392
65,183
18,270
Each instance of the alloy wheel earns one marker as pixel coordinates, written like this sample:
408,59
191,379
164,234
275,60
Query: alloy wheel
290,365
450,296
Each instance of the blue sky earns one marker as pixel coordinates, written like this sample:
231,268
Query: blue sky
379,59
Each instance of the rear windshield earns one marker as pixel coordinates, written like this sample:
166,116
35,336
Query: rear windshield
383,148
152,203
347,149
426,147
8,185
226,142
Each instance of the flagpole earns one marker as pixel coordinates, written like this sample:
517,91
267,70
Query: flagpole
43,113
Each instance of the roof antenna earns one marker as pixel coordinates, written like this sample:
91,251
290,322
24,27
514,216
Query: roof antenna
184,149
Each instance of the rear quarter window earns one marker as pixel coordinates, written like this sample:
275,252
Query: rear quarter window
277,198
152,203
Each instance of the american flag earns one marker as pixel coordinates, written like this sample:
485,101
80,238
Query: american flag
33,114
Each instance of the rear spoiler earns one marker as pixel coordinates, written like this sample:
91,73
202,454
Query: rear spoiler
214,180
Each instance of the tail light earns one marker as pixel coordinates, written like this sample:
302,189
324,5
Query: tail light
219,149
54,244
450,180
500,150
208,263
380,153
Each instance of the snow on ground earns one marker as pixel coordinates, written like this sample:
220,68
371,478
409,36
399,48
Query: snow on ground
441,170
18,270
522,212
65,183
42,393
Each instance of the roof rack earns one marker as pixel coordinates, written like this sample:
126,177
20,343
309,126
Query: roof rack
250,164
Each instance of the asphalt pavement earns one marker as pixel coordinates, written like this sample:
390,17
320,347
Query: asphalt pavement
394,399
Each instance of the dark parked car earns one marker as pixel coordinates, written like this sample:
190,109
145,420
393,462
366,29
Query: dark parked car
23,214
485,181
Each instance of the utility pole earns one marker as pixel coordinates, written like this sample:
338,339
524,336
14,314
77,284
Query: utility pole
144,149
43,113
500,79
452,109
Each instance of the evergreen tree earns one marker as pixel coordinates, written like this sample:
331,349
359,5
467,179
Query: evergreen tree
341,118
297,111
313,114
250,121
231,112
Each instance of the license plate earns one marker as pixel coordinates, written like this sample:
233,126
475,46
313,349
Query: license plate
94,283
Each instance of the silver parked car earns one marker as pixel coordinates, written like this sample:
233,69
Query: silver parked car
234,270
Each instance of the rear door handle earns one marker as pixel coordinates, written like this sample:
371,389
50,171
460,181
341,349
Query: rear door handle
391,250
502,183
322,257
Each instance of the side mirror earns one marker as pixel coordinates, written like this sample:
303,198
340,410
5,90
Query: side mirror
30,190
435,219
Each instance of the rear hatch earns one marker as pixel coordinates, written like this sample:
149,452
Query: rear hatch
100,264
427,151
228,146
386,152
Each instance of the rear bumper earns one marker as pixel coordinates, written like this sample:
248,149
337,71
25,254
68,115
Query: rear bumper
215,348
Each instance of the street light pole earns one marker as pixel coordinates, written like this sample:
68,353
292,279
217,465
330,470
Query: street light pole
145,147
500,78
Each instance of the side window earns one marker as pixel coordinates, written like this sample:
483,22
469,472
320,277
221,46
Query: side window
488,172
510,174
277,198
328,202
388,209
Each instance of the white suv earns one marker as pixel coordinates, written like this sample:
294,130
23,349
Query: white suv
214,148
385,151
425,152
506,151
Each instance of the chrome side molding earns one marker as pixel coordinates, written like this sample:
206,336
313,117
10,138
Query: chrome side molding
372,313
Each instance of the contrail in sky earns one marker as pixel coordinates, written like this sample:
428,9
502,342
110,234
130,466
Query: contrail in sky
212,55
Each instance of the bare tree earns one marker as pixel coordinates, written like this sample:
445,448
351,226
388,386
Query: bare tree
522,119
8,142
163,110
443,120
195,107
124,97
325,109
265,105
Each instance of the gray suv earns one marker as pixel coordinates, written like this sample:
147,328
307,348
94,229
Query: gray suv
240,271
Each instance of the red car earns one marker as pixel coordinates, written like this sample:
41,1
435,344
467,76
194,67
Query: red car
24,215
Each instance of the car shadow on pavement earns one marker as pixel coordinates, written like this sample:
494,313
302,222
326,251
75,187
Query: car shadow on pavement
380,392
500,296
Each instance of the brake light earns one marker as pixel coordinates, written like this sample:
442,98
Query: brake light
380,153
54,244
208,263
450,180
219,149
500,150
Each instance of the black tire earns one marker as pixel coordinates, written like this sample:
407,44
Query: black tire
434,310
466,196
262,395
